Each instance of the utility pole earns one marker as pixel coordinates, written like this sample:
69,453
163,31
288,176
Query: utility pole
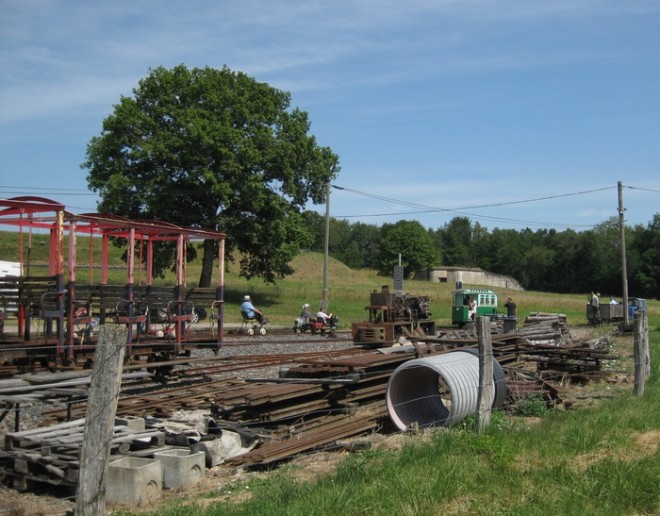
624,266
324,302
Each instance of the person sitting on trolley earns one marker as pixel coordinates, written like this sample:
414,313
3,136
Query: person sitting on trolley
305,313
249,311
324,318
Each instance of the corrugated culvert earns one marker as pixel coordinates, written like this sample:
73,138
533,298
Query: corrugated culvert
440,390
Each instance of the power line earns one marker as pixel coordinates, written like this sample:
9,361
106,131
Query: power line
508,203
458,211
471,216
643,189
32,189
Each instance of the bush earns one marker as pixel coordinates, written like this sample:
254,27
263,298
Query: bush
532,406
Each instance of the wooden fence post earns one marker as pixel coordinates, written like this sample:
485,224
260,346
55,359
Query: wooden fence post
99,422
486,393
647,346
639,355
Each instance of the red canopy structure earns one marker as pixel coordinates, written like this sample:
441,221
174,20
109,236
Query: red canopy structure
30,213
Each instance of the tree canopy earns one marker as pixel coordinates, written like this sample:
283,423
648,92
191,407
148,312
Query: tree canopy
213,148
409,240
545,260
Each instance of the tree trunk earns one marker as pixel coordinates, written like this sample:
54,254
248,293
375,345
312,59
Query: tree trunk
210,252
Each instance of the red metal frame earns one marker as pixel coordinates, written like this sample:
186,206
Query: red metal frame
46,214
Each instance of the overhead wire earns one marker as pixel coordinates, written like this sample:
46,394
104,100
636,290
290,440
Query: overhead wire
423,209
459,210
29,189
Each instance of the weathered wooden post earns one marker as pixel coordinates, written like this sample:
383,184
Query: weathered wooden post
639,355
99,423
486,393
647,346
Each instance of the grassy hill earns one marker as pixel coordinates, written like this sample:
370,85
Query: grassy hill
348,290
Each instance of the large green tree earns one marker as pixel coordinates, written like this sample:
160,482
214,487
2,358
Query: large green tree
213,148
409,240
456,242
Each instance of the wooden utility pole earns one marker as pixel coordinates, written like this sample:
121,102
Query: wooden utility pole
624,266
326,249
100,420
486,393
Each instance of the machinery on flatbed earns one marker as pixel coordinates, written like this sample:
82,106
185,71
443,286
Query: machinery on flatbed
392,315
613,312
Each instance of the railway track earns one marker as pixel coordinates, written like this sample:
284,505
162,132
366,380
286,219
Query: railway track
19,357
295,393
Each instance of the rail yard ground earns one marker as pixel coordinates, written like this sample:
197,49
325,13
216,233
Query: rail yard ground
596,452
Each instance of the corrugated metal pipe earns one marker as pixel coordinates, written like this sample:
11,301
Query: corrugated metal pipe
440,390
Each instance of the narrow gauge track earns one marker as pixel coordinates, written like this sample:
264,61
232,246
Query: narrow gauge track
195,386
19,358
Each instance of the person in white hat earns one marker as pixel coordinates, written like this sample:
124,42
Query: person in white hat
305,313
249,310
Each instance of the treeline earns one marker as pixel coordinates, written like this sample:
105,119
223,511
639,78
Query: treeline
546,259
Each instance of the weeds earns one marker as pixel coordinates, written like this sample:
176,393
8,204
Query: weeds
532,406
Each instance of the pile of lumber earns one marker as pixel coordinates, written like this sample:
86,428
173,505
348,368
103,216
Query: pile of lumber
546,329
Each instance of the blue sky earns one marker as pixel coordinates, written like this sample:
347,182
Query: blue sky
435,108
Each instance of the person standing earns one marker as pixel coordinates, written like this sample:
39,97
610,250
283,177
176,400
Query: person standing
511,308
472,309
594,303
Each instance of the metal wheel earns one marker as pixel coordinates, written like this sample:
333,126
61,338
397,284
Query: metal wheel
262,331
250,331
194,317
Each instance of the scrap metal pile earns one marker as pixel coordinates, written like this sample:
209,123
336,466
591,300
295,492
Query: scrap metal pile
317,400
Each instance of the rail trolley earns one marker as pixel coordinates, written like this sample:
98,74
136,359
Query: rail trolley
56,314
486,304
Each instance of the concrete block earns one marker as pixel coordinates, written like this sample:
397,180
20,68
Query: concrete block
136,423
134,481
181,468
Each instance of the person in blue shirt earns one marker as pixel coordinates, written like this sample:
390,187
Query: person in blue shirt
249,310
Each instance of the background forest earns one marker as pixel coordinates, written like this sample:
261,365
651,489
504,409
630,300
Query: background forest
544,260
